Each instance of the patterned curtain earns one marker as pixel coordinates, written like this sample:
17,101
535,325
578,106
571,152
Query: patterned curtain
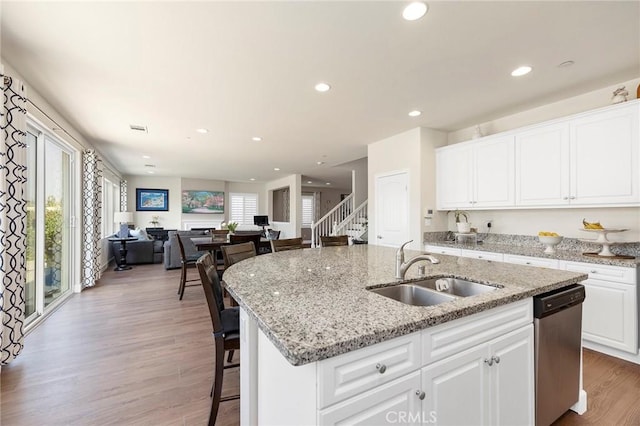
13,154
123,196
91,217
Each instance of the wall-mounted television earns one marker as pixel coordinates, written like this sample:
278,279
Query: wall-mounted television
261,220
202,202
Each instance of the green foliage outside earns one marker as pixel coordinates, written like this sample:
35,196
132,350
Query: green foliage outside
53,223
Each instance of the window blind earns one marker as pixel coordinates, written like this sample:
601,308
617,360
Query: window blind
243,208
307,210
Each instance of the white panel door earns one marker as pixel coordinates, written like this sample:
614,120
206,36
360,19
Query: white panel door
609,314
395,402
453,177
493,178
512,379
392,209
457,388
542,166
604,152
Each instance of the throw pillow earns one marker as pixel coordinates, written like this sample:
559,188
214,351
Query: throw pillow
135,232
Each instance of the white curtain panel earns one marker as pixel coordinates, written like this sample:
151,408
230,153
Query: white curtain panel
91,217
13,154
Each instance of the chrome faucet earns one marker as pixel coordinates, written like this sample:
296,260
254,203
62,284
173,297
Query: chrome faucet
402,266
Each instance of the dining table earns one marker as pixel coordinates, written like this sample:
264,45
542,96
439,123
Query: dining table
213,244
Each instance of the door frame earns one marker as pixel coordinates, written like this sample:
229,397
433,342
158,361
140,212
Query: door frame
376,177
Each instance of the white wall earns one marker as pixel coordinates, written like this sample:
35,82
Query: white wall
564,221
413,151
359,179
289,229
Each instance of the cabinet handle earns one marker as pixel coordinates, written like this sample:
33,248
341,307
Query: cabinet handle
381,368
489,362
420,395
479,257
565,198
527,263
593,271
379,237
496,359
572,198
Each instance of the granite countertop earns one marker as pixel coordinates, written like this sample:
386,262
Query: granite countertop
537,250
314,304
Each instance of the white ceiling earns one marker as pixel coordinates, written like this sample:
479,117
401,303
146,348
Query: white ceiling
244,69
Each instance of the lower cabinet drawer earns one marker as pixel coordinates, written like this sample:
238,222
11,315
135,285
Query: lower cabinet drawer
450,251
396,402
604,272
484,255
531,261
456,336
355,372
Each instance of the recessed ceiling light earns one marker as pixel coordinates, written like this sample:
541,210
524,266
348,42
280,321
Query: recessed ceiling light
252,179
566,64
319,163
138,127
203,131
415,10
309,181
146,157
415,113
256,138
277,169
322,87
520,71
328,183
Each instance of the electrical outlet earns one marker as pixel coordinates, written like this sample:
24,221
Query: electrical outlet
489,224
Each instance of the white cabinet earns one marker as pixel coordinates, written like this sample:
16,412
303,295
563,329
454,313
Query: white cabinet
610,309
605,157
588,159
483,255
476,175
531,261
395,402
491,383
542,166
450,251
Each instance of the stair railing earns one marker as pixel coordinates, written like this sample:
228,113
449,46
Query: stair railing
359,216
327,223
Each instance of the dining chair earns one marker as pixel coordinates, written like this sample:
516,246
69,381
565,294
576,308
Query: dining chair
185,263
234,253
286,244
219,233
244,238
226,329
334,240
272,234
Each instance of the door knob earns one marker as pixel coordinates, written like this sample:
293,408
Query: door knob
420,394
379,237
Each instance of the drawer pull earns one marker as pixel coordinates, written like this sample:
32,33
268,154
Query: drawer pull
496,359
489,362
381,368
593,271
420,394
479,257
528,263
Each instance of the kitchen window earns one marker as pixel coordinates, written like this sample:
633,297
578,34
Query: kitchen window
307,211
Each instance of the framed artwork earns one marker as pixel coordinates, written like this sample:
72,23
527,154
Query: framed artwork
152,200
202,202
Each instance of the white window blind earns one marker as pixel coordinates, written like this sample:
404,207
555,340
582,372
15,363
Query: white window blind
110,197
243,208
307,210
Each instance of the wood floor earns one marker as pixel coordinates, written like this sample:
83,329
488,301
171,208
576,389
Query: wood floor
127,352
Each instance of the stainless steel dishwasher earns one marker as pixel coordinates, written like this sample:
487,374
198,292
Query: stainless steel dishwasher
558,335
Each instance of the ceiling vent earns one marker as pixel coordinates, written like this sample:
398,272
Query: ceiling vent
138,128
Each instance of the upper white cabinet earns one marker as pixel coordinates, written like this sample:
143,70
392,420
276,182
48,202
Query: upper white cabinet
590,159
476,175
604,157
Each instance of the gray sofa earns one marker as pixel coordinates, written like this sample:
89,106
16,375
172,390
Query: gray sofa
172,251
140,251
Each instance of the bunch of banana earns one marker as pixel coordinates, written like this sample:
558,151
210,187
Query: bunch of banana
591,225
547,234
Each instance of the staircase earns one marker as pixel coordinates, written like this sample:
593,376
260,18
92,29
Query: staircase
340,220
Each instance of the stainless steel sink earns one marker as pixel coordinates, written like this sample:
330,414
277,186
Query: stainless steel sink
457,286
413,295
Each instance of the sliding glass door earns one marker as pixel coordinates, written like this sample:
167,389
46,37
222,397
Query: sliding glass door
50,199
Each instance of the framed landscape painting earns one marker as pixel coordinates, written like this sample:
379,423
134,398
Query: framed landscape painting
202,202
152,200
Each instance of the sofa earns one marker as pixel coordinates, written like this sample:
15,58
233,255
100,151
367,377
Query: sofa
172,250
143,250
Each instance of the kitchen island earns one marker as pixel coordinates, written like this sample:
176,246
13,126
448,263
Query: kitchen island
310,328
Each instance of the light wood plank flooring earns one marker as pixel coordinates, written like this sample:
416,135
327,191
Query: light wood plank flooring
127,352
